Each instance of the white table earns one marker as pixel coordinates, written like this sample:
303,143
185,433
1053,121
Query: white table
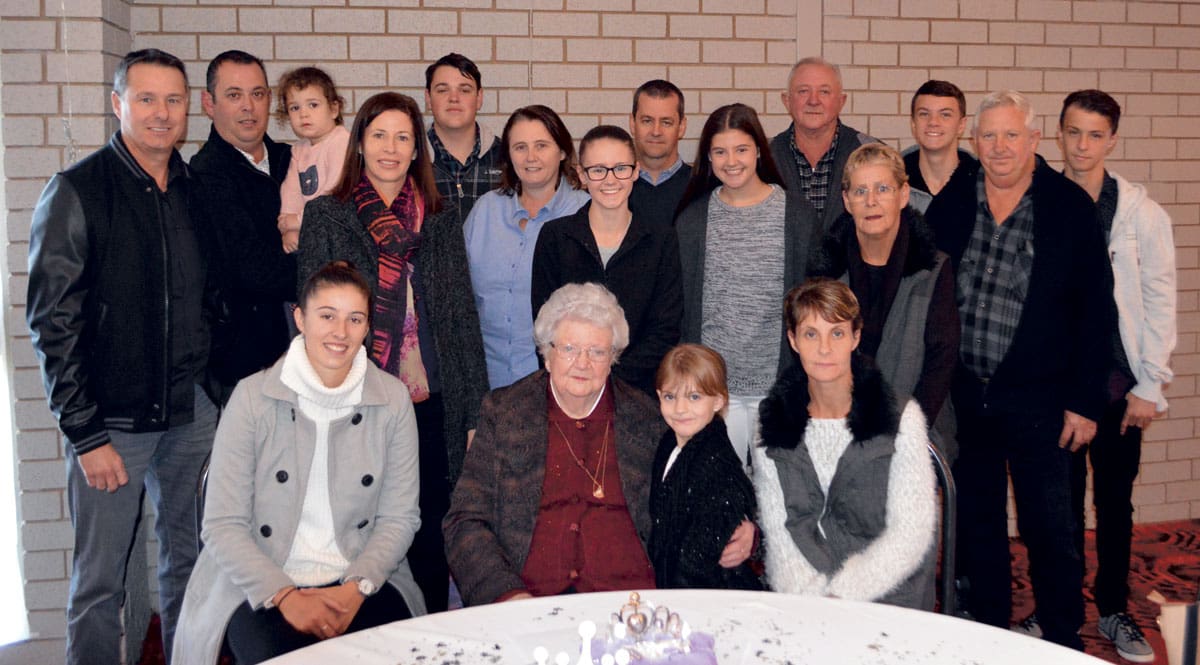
749,627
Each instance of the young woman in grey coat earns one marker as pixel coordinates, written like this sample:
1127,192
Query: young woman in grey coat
312,494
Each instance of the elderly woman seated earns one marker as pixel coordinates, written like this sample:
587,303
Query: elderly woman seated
555,488
554,495
844,481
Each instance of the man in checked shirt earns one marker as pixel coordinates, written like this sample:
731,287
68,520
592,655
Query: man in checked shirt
812,151
1035,300
464,152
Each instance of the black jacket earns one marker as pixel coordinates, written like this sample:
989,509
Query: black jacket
97,297
255,276
643,274
695,510
1060,352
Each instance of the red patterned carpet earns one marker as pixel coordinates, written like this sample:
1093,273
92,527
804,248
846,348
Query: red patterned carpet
1166,556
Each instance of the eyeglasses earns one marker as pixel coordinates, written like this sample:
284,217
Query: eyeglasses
596,354
882,190
598,173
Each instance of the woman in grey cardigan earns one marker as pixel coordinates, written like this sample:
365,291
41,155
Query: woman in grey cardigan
383,216
312,497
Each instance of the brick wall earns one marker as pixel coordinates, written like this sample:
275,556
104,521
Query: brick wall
584,57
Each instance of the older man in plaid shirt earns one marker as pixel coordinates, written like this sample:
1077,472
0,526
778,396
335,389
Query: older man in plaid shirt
1035,300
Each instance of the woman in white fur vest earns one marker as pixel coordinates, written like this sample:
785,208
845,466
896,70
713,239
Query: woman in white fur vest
845,486
312,493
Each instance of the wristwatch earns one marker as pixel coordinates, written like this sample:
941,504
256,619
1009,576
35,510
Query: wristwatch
365,587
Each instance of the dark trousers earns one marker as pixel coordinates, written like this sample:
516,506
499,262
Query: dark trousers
257,635
1115,459
1026,446
427,555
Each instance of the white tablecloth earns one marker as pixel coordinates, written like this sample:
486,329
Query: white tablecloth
749,627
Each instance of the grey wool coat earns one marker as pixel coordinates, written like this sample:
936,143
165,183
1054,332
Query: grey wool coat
495,505
257,480
332,231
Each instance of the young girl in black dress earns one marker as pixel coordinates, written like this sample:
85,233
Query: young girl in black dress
699,492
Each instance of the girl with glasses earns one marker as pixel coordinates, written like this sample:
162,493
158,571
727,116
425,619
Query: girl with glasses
603,242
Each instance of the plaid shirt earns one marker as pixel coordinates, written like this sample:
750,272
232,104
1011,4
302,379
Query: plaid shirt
815,181
993,281
463,184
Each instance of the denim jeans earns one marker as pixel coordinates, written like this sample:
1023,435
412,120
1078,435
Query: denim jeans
167,466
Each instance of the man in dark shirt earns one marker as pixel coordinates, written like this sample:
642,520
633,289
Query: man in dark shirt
938,119
657,123
239,169
1035,302
464,152
117,282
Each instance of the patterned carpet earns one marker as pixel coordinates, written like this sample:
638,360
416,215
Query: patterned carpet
1166,556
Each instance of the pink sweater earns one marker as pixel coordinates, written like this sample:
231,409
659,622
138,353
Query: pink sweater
314,171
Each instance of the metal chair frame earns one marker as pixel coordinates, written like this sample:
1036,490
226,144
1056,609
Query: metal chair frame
947,589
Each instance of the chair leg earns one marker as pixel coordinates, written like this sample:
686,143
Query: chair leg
949,529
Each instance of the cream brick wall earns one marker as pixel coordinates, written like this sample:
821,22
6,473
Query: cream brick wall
584,57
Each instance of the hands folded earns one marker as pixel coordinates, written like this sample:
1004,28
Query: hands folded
321,612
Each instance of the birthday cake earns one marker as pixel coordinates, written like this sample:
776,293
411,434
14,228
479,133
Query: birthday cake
642,633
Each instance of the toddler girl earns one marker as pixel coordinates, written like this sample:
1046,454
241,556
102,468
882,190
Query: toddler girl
309,100
698,491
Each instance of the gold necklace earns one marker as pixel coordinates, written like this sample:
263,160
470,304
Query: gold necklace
601,467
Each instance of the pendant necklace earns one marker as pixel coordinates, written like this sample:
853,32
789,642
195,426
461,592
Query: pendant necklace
597,478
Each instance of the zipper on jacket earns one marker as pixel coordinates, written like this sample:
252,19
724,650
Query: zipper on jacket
166,259
461,194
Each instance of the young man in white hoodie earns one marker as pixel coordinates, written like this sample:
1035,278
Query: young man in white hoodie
1142,253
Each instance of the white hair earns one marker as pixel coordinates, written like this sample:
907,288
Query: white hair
589,303
1008,98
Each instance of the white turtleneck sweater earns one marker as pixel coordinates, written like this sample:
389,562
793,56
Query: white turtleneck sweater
315,558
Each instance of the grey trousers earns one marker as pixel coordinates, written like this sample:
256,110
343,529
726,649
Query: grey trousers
167,466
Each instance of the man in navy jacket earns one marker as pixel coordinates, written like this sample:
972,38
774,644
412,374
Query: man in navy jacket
1035,300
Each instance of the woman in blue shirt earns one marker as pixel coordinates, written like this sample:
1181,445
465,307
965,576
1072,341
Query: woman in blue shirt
539,183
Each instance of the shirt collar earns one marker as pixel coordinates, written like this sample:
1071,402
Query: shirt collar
664,176
264,165
828,156
553,208
442,154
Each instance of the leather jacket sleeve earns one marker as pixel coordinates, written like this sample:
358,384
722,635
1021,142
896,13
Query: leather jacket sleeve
58,289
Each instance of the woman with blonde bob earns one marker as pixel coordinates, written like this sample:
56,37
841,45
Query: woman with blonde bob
885,251
846,490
